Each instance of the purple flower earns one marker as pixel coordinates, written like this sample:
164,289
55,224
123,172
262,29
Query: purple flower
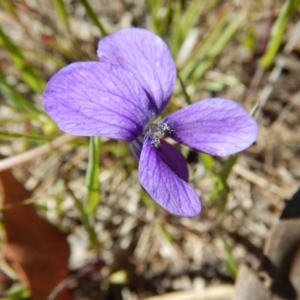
120,96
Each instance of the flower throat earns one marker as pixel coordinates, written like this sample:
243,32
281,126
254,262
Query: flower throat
157,132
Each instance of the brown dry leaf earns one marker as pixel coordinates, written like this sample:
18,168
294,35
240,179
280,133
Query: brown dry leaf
282,252
35,249
281,261
294,273
249,287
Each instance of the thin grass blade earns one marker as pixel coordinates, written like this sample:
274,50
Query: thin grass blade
230,263
208,161
154,8
29,74
14,135
184,21
15,99
93,16
86,222
184,91
204,46
61,11
278,29
219,46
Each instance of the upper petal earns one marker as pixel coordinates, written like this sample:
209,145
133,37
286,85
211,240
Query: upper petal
165,182
216,126
97,99
146,56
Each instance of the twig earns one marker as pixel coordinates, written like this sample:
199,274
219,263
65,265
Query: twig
279,65
10,162
86,271
262,182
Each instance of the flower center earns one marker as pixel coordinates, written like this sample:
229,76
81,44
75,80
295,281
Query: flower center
158,131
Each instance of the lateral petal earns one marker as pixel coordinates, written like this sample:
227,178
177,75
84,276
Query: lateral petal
165,182
216,126
147,57
97,99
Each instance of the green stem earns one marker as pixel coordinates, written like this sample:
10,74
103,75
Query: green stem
92,174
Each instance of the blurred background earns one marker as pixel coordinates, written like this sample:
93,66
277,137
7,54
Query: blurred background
62,240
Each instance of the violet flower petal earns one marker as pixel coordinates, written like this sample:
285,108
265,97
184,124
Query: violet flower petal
147,57
97,99
174,159
163,184
216,126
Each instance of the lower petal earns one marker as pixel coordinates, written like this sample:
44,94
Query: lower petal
162,174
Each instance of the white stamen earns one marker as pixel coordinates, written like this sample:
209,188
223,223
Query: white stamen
158,131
